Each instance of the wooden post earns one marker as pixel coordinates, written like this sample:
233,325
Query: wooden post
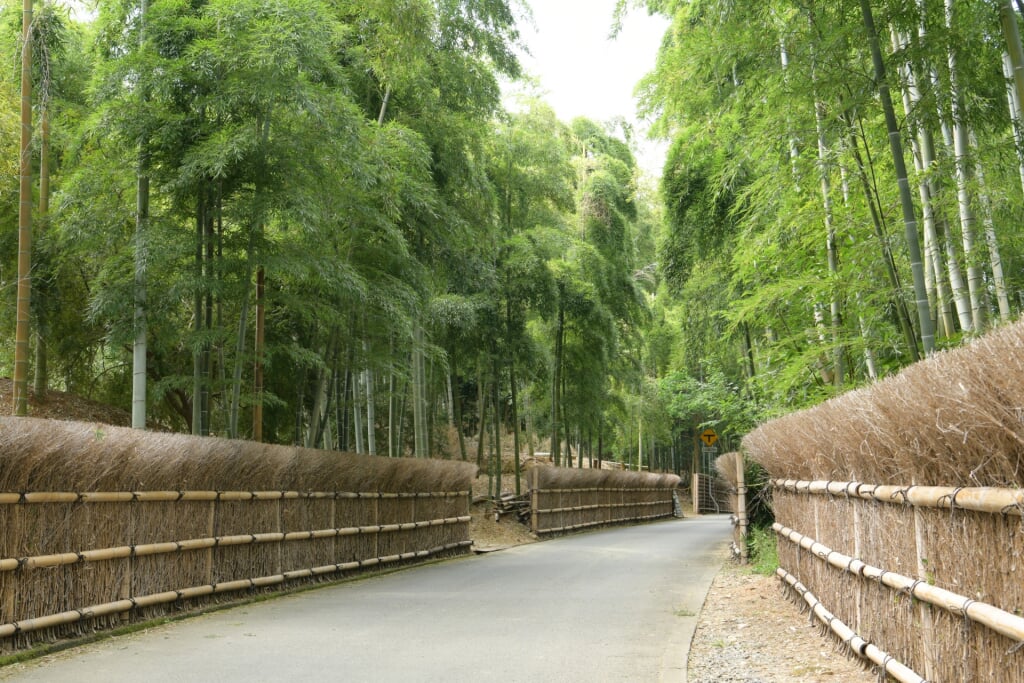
695,490
534,498
211,532
925,610
741,507
126,578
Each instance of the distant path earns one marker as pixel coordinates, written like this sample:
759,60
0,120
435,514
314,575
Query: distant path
615,605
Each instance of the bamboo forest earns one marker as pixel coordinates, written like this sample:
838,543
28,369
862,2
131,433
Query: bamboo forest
329,223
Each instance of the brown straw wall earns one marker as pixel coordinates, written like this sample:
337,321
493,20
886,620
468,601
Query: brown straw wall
99,524
953,421
564,500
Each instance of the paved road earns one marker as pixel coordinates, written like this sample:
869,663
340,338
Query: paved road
615,605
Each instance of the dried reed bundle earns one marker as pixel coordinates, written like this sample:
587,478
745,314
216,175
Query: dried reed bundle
956,419
568,478
44,455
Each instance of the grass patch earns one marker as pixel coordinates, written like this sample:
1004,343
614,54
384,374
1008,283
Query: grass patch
764,552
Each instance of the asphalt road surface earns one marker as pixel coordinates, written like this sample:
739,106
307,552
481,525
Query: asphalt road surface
614,605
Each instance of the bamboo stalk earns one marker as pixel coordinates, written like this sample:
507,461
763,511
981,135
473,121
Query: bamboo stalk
996,619
858,645
979,499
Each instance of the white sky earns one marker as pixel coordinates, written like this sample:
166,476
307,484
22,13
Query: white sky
584,73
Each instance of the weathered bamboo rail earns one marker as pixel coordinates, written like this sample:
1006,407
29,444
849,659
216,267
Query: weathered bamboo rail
980,499
864,545
857,645
998,620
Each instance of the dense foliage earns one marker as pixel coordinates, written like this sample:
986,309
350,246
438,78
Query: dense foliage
319,222
796,260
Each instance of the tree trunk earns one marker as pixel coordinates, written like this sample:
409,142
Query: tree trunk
197,314
975,286
995,259
42,380
21,334
497,428
923,147
902,315
483,425
419,393
832,250
906,201
139,346
1013,47
456,399
357,418
1016,116
515,422
556,382
257,409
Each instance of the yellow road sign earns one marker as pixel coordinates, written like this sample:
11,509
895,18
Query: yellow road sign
709,437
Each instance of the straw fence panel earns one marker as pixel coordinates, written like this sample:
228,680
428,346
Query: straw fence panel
567,500
99,525
910,576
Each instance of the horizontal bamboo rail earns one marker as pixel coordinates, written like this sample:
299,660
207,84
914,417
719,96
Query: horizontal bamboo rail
979,498
37,497
70,616
647,489
602,506
855,642
584,525
982,613
121,552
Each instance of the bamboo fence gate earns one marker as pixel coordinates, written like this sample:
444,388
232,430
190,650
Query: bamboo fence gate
899,567
564,500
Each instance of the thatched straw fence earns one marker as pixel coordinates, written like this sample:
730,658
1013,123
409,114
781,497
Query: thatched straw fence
899,506
564,500
100,525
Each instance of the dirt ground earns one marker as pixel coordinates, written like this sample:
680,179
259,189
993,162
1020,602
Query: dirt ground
749,632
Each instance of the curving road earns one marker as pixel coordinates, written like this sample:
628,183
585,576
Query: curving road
615,605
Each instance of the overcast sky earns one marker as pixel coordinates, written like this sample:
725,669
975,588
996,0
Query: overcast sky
587,74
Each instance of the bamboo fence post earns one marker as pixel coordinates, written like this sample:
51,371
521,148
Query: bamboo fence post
534,498
126,578
280,529
211,531
334,525
858,587
927,628
741,507
377,521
